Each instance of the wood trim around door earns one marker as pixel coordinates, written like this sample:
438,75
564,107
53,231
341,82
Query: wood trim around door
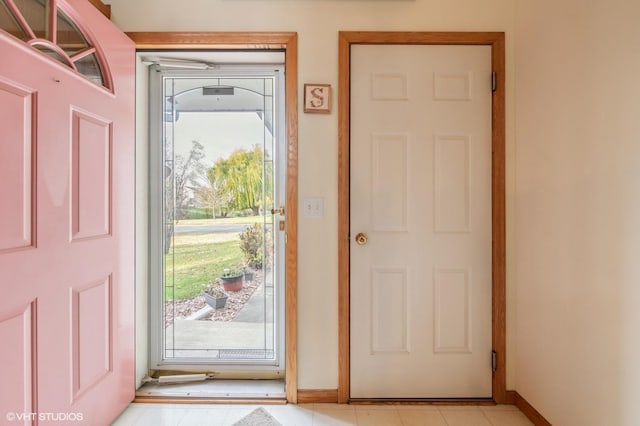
287,42
497,42
105,9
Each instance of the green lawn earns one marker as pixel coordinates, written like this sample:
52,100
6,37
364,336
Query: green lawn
225,220
197,259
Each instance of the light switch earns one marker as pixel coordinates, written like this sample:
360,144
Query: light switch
313,207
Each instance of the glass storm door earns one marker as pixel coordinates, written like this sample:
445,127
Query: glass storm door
218,225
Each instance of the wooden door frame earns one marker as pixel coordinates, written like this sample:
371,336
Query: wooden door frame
105,9
497,42
287,42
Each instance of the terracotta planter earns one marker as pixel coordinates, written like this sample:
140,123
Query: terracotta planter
232,283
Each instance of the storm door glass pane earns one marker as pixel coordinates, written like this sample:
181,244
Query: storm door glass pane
219,273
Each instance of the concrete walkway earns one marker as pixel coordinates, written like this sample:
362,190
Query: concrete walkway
249,335
253,310
195,339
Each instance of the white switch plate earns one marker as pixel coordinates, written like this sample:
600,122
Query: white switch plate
312,207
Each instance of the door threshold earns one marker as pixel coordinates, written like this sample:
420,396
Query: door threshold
228,391
199,400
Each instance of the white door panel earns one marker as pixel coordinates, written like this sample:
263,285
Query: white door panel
421,192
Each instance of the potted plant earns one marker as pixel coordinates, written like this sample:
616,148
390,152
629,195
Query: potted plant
248,273
232,279
215,296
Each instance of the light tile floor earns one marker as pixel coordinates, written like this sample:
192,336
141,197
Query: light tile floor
324,415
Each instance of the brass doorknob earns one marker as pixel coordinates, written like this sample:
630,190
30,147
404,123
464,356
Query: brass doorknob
279,210
361,239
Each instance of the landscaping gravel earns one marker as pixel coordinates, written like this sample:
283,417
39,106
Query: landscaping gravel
181,309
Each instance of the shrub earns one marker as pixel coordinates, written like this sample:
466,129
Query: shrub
251,244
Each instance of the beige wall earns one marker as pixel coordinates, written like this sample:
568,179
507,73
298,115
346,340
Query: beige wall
577,213
573,158
317,23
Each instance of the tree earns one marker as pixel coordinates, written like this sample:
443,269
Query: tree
240,179
180,174
188,174
212,195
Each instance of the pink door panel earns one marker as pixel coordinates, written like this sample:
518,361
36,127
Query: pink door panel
90,175
16,192
66,229
17,332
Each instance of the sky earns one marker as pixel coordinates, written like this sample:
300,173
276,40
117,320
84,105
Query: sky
221,133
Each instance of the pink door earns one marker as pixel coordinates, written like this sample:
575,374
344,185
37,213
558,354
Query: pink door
66,216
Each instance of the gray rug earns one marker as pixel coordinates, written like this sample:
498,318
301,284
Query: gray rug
258,417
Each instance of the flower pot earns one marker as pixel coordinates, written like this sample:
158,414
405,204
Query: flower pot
232,283
215,302
248,274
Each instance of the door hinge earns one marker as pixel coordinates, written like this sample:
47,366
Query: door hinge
494,361
494,83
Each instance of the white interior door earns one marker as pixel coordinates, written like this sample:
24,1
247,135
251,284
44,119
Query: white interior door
421,198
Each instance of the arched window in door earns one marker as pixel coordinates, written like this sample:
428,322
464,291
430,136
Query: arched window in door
46,27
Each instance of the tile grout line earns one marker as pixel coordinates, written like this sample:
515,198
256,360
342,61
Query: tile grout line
484,414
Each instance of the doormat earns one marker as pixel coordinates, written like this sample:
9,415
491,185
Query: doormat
258,417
